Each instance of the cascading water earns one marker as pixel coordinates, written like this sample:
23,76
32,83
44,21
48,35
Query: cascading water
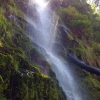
45,25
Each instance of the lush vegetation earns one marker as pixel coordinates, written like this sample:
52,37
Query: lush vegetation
20,77
82,37
84,25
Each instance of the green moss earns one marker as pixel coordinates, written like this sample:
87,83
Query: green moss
20,78
93,86
26,87
18,83
2,97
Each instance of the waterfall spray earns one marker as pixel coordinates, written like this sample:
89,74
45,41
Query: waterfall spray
46,26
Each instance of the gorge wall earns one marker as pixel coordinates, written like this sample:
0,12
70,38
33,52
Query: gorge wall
20,74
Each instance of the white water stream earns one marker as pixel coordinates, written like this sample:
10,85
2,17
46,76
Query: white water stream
46,24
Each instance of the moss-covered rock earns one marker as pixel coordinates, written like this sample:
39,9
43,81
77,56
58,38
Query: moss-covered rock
29,85
83,51
20,76
21,80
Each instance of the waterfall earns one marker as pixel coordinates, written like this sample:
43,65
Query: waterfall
44,23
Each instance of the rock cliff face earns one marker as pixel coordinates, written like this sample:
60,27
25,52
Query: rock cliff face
68,43
81,40
20,75
21,78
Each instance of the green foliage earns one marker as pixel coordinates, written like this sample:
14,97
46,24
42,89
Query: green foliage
80,24
7,65
33,87
7,62
1,10
80,17
62,13
14,10
71,13
93,86
3,22
96,24
81,48
19,78
2,97
75,20
85,29
84,25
